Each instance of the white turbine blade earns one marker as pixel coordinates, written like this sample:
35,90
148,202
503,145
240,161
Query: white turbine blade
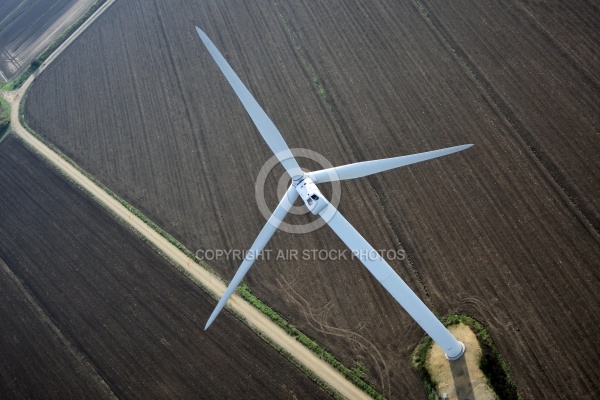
390,280
265,126
259,244
360,169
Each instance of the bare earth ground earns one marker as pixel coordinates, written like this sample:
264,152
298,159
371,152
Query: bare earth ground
461,379
250,314
93,312
37,360
491,232
28,27
276,335
549,96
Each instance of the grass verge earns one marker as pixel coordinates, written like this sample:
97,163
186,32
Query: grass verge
353,375
492,364
4,117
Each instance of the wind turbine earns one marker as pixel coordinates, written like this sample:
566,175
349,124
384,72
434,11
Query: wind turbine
304,185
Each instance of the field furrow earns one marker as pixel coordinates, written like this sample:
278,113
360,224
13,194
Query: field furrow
28,27
548,90
126,310
572,27
37,360
490,232
494,230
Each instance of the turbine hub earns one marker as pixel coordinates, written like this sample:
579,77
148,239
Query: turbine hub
297,179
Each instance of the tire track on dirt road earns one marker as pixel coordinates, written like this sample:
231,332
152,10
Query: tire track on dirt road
210,282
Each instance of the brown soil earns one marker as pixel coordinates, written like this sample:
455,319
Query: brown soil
539,68
251,316
101,306
492,232
38,361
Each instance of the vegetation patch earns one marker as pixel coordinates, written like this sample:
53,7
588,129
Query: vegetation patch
305,62
354,375
492,364
4,116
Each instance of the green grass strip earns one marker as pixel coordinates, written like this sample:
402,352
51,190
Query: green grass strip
305,62
4,117
353,375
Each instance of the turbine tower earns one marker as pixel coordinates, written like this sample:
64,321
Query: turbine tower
304,185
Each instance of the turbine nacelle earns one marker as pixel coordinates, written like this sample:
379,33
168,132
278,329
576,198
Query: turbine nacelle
304,185
310,194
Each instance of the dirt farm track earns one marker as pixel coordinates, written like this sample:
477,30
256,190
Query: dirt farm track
103,316
506,232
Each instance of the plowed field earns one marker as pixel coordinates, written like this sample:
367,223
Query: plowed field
37,361
90,311
538,62
28,27
505,232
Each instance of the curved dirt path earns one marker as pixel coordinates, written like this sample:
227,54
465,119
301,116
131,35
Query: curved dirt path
252,316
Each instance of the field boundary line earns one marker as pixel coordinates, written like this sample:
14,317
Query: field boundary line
249,312
213,284
243,291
